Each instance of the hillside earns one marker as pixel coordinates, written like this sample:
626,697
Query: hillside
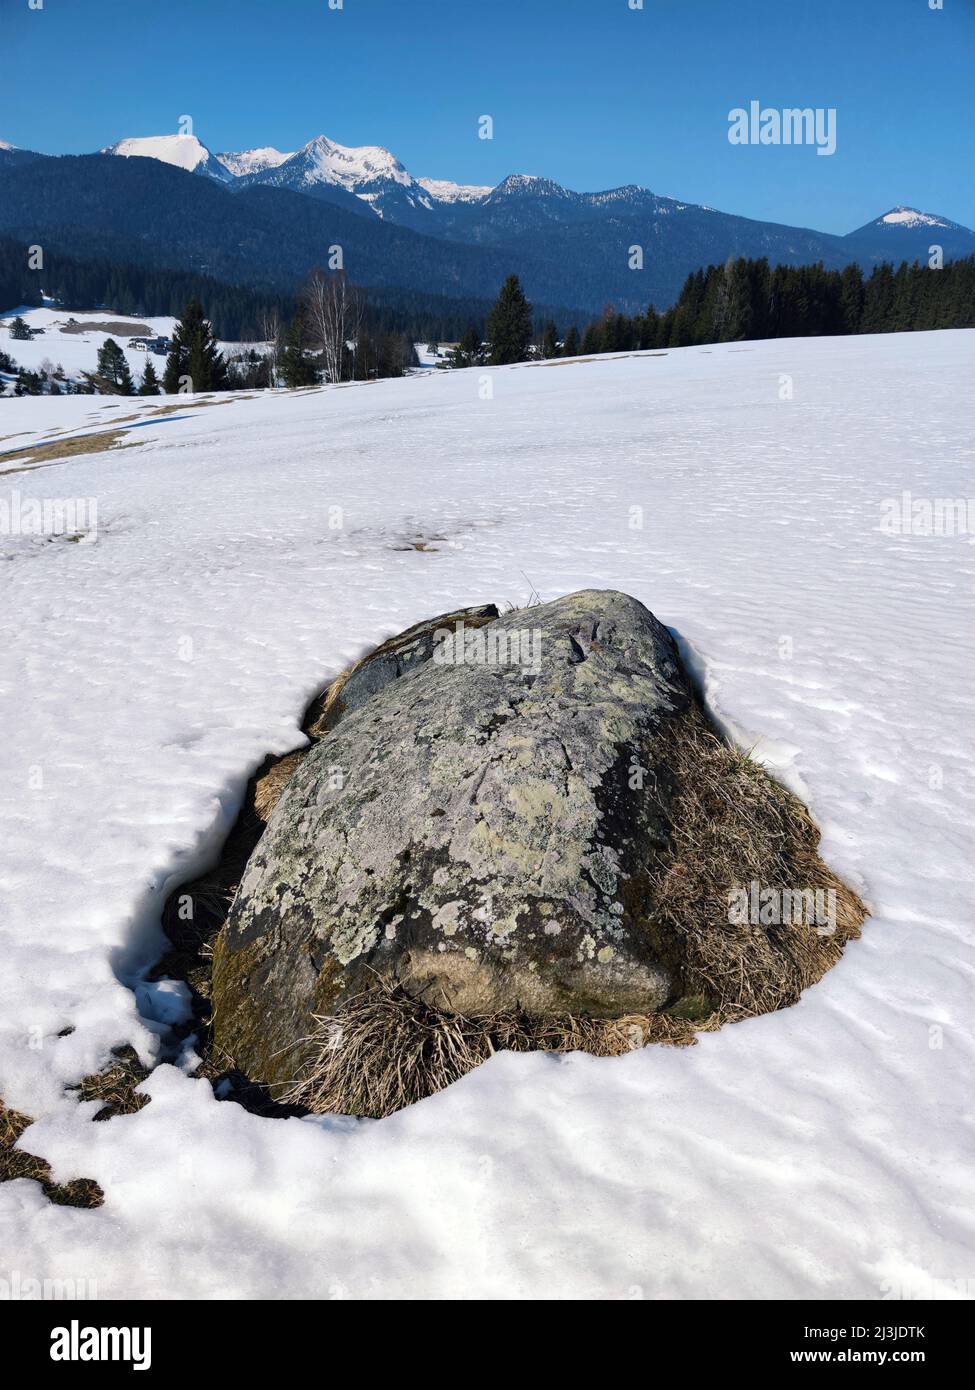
263,218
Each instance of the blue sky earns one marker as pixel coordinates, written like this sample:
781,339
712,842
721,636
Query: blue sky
588,92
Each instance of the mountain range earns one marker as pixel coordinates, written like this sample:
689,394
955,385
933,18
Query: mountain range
265,216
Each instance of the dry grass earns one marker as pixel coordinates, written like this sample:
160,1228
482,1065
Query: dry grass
16,1163
731,823
115,1086
67,448
118,328
386,1050
268,789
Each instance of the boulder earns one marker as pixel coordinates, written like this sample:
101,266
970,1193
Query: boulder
387,662
473,827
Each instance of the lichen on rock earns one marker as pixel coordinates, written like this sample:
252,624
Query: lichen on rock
468,834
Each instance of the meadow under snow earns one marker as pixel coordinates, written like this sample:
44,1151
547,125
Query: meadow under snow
824,1151
72,341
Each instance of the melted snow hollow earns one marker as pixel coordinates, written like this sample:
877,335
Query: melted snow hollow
822,1151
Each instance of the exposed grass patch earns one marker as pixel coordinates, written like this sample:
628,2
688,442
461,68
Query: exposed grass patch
732,824
267,792
118,328
115,1086
386,1050
16,1163
68,448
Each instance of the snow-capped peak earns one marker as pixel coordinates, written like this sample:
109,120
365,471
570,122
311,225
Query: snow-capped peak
528,185
243,162
443,191
5,146
349,166
182,151
911,217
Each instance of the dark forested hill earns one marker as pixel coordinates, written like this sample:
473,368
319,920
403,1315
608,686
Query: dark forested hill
578,249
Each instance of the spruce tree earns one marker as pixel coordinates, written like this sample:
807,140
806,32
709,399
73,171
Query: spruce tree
650,329
193,354
851,298
592,340
467,353
112,376
550,340
19,330
570,347
509,325
295,368
149,385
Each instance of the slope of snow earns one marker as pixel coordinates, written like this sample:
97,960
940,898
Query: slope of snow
183,151
446,192
823,1151
245,162
5,146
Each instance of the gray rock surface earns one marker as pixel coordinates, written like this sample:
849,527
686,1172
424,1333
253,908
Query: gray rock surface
469,831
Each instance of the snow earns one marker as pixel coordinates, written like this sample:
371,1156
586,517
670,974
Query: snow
446,192
253,161
911,217
183,151
349,166
5,146
820,1152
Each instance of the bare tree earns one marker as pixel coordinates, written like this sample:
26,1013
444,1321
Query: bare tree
335,308
271,333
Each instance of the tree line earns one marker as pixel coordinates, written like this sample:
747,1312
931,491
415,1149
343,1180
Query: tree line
749,299
334,335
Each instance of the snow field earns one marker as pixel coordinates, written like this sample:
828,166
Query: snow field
820,1152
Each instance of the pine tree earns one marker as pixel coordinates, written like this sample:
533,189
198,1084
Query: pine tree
295,368
570,347
193,361
592,340
112,375
467,353
149,385
19,330
550,340
509,325
650,329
